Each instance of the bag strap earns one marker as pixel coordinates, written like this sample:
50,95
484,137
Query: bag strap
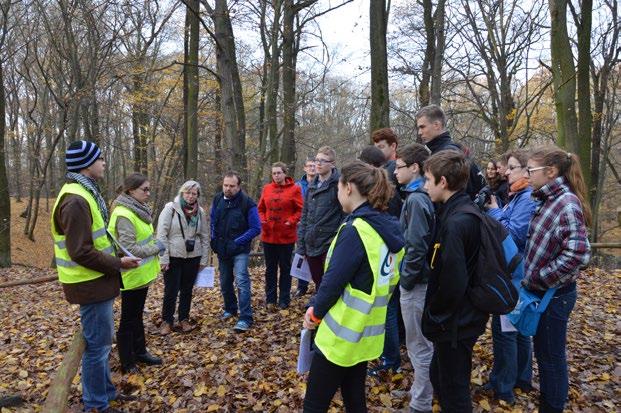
546,300
180,225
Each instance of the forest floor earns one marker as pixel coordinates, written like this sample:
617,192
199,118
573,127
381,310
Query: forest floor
215,369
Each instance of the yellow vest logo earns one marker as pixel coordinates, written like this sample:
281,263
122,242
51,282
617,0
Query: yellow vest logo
387,267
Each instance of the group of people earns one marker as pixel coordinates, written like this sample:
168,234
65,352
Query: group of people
387,237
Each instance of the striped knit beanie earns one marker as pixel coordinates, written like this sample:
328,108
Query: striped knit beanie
81,155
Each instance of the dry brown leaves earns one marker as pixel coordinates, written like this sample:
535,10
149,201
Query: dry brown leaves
215,369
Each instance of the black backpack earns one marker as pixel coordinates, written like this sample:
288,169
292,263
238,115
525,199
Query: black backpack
491,290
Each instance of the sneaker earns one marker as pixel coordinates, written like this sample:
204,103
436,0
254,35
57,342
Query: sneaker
241,326
226,315
299,293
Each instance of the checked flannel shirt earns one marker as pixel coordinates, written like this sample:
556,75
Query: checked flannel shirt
557,245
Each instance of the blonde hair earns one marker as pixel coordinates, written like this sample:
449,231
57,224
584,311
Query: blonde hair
189,185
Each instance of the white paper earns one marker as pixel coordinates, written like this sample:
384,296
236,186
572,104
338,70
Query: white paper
300,269
505,325
124,250
205,277
305,356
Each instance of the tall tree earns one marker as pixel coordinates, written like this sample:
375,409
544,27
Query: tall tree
431,77
190,90
5,200
380,110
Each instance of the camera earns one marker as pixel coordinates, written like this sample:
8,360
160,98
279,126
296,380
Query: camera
189,245
483,197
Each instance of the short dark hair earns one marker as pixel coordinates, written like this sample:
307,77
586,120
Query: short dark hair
414,153
132,182
234,174
433,113
450,164
385,134
373,156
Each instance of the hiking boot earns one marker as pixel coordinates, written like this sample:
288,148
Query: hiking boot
148,359
186,327
165,329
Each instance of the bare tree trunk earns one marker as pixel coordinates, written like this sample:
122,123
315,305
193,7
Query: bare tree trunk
438,55
585,119
289,61
5,199
380,111
190,73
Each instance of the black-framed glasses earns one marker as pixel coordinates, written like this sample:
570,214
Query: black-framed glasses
145,190
530,170
401,166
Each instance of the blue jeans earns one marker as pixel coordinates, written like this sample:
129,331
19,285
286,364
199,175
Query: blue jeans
550,342
512,361
97,327
236,268
391,354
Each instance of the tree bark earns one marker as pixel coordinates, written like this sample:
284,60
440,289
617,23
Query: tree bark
190,75
585,119
380,110
5,199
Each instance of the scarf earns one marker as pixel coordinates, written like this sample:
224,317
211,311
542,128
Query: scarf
518,185
190,211
91,186
142,210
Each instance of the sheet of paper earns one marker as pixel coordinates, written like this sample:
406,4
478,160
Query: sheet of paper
505,325
299,268
205,277
118,244
305,356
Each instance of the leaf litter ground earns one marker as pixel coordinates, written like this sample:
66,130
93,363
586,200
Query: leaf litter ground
215,369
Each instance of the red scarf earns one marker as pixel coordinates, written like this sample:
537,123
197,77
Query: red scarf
518,185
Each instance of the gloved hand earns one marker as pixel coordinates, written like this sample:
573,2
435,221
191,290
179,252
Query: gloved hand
161,246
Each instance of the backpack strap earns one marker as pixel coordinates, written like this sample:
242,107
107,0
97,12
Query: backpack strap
547,297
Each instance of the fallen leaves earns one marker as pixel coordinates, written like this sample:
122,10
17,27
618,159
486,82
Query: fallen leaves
215,369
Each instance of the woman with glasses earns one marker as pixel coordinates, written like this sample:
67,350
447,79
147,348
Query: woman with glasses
131,224
557,248
182,228
512,351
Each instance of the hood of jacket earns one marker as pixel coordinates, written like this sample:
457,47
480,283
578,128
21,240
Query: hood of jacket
288,182
386,225
414,186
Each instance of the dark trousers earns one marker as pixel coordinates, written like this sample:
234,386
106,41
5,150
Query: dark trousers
278,256
325,378
450,375
179,280
315,265
130,339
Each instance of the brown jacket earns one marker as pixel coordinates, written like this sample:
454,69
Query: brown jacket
73,218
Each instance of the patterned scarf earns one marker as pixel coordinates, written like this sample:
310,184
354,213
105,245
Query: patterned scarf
91,186
142,210
190,211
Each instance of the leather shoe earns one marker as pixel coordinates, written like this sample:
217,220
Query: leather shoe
165,329
186,327
131,369
123,397
148,359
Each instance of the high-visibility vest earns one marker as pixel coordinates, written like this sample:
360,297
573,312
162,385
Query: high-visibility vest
69,271
353,329
149,267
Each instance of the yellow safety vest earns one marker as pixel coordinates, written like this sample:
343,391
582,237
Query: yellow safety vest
149,267
353,329
69,271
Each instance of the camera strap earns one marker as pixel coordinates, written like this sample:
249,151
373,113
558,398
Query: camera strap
181,225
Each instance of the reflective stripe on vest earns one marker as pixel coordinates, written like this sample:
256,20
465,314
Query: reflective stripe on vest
353,329
69,271
150,266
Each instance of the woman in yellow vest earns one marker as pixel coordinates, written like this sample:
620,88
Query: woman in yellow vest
131,225
349,310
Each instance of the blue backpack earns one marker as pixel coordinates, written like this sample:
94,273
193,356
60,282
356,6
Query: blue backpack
499,267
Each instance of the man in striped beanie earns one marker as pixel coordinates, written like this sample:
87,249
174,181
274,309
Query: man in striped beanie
88,267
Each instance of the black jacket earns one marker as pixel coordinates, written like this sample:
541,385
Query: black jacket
449,314
476,181
349,263
396,203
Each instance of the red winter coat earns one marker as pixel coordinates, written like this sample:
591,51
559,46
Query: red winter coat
280,209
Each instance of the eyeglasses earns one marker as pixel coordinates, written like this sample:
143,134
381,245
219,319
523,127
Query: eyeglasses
512,167
322,161
145,190
530,170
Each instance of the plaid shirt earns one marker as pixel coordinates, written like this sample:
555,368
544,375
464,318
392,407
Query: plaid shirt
557,245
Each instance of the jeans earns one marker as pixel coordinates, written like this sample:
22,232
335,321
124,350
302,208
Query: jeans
325,378
513,361
130,339
450,374
278,256
97,327
420,350
236,268
179,280
316,267
549,343
391,355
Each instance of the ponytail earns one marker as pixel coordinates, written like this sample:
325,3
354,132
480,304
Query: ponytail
568,165
370,181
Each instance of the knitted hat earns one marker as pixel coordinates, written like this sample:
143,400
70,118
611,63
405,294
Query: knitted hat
81,155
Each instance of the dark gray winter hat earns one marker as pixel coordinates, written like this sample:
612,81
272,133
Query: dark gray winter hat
80,155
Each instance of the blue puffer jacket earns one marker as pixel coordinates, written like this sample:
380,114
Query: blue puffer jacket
516,216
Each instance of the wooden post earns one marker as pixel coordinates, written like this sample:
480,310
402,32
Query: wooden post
58,393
